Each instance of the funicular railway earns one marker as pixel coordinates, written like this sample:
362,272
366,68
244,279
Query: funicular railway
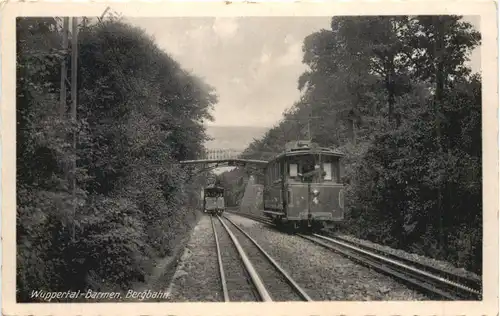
303,194
302,189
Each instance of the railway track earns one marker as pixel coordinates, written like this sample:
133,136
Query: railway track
242,271
472,283
433,281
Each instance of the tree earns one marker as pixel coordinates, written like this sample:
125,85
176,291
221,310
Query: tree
396,95
137,118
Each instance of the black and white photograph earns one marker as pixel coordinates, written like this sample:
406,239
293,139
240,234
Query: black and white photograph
251,158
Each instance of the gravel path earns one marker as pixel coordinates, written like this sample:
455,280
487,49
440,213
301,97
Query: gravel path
273,280
323,274
197,277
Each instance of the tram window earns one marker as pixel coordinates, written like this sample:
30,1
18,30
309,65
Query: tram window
293,170
308,165
327,168
213,194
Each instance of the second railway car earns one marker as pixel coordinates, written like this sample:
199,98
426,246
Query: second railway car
302,188
213,200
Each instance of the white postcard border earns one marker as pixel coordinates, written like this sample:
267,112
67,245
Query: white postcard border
489,66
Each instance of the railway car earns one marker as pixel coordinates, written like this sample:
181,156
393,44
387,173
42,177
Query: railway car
302,189
213,200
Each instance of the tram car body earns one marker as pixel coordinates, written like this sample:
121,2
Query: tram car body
213,200
302,188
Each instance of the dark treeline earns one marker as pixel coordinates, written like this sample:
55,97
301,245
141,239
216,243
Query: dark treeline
139,113
396,95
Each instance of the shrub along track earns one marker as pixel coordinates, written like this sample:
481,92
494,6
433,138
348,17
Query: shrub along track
242,271
433,281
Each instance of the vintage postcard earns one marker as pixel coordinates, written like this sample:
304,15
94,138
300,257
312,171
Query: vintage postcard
237,158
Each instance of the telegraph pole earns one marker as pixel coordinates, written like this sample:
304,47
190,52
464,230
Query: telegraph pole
74,90
70,172
64,70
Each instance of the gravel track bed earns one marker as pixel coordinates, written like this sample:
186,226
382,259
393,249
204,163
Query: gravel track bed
197,277
323,274
273,280
238,282
446,266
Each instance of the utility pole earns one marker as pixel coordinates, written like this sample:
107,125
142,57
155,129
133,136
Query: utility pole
63,106
74,90
64,69
440,78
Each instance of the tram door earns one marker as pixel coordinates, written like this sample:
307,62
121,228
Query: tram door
311,168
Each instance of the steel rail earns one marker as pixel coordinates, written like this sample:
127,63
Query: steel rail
402,265
288,278
471,282
383,268
221,265
407,273
419,277
256,280
254,217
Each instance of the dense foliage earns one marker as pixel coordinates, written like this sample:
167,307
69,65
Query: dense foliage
396,95
234,181
138,114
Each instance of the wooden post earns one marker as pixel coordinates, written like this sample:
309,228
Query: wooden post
438,98
64,70
74,90
63,96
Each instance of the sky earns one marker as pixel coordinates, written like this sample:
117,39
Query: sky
252,62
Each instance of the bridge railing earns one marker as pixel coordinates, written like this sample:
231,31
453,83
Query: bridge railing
231,157
221,154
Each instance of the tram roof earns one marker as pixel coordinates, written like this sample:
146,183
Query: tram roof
213,187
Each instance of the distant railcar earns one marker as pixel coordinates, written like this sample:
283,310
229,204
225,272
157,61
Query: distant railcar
302,188
213,200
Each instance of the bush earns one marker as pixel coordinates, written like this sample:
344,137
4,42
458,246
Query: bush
137,117
396,185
